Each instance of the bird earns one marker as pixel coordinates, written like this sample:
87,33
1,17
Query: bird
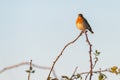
82,24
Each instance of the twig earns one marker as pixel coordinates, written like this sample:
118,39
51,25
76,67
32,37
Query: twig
90,55
95,63
54,62
30,68
27,63
74,73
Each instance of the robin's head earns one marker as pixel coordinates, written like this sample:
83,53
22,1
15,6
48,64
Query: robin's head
80,15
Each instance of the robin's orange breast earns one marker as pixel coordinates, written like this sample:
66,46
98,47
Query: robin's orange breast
79,24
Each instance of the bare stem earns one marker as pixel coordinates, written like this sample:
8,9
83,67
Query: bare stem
74,73
54,62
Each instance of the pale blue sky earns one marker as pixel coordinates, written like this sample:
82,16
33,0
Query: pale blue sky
39,29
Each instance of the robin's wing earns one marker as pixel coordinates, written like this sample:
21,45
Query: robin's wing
86,24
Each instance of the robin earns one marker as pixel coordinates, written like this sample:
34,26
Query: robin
83,24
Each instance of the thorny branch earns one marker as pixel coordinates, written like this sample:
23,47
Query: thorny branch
54,62
90,55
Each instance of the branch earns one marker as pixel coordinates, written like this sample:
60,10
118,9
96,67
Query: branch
27,63
54,62
90,55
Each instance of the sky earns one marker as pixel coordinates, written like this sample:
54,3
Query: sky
39,29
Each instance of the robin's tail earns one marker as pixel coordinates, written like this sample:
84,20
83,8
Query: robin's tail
91,31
